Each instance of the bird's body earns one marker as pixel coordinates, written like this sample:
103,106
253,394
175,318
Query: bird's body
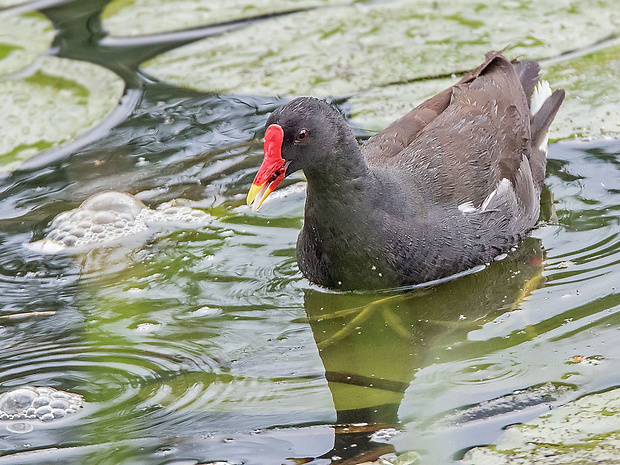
449,186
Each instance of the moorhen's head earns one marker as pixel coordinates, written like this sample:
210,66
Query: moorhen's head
305,134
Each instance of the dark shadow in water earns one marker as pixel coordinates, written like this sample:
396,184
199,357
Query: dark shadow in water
372,347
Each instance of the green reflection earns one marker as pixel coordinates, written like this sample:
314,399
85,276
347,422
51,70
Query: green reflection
372,346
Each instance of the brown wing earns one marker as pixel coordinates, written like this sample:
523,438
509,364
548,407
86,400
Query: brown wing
402,132
462,142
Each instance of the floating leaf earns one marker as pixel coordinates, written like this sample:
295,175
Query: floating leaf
53,102
591,81
377,108
583,431
343,50
8,3
23,37
592,84
137,17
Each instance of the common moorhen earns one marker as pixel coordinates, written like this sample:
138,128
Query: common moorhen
449,186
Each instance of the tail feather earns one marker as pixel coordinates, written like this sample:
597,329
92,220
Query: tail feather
541,120
528,72
544,106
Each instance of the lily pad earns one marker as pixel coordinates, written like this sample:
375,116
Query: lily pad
137,17
591,81
377,108
358,47
584,431
53,102
592,84
8,3
23,37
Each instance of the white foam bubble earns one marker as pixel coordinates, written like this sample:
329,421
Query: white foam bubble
37,403
106,217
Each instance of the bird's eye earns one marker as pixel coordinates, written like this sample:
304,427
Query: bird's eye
302,135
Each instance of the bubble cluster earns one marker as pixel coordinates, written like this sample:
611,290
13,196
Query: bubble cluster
38,403
108,216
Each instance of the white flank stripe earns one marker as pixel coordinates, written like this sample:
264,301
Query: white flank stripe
467,207
502,188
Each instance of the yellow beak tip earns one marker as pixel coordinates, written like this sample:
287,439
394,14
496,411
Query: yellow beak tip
252,193
257,195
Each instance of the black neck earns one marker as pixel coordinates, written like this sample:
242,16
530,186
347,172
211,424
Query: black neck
338,168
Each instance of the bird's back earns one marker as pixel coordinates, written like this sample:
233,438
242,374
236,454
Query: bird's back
459,145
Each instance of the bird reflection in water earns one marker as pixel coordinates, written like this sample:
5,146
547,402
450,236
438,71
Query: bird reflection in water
372,345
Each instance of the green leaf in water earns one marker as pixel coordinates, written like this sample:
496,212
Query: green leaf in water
583,431
8,3
22,38
362,46
55,101
377,108
138,17
590,109
592,84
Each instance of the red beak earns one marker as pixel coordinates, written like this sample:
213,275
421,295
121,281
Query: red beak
273,169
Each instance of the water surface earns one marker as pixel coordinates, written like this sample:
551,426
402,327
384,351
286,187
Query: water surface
205,343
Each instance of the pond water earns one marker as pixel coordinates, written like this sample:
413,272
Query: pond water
202,343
